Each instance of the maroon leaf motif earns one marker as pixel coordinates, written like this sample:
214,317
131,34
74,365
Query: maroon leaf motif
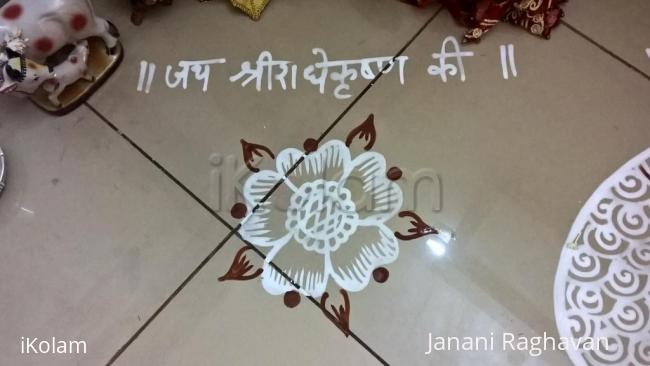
250,150
365,131
240,267
419,229
340,316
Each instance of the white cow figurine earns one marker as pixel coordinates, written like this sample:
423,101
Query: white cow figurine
68,72
18,74
33,30
48,25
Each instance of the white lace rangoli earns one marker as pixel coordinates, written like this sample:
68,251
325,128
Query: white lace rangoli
322,217
602,286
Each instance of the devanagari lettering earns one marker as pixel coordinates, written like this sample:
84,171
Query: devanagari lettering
201,70
265,63
443,68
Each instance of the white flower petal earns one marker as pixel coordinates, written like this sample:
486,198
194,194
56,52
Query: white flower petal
369,248
306,269
286,159
265,227
274,283
328,163
377,198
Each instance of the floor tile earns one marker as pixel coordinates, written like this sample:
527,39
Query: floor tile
94,238
235,322
197,135
505,164
620,26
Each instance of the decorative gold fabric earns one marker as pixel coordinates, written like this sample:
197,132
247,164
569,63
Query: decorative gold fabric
253,8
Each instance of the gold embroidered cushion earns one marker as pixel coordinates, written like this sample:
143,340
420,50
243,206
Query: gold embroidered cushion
253,8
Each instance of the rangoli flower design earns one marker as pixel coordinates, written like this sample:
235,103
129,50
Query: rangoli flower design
309,207
322,217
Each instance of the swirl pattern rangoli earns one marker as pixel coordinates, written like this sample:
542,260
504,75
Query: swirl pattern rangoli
602,286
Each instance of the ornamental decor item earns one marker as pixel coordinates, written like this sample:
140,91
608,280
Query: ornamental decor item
56,52
321,235
602,285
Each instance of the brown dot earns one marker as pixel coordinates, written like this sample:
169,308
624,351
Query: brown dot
238,210
310,145
291,299
73,59
12,12
44,44
380,274
78,22
394,173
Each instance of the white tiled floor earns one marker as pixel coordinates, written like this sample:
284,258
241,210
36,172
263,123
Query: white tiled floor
83,255
620,27
107,235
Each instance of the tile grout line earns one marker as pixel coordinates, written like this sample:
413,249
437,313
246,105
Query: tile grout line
379,75
160,167
169,299
605,49
235,230
197,269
